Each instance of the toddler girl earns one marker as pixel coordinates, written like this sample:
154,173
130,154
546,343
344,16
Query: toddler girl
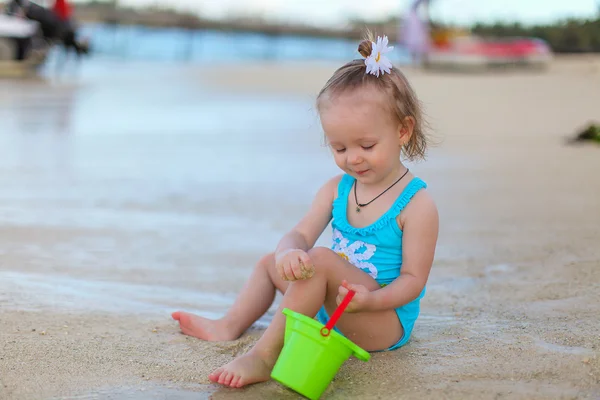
385,228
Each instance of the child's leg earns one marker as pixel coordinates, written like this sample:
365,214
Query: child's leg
370,330
253,301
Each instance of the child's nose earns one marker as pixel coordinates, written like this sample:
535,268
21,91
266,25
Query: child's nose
354,157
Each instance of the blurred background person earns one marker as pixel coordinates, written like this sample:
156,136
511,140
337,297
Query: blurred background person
415,32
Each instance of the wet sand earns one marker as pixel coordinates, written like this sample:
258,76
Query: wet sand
122,201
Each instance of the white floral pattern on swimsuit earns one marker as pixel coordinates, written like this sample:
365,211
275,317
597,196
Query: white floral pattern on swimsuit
356,253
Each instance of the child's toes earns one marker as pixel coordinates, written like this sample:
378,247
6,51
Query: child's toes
231,382
235,381
214,377
228,379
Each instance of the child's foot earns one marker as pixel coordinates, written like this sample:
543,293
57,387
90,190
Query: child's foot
204,328
244,370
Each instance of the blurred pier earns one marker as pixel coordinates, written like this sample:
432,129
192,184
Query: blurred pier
110,13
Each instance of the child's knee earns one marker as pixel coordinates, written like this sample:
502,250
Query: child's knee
267,261
321,257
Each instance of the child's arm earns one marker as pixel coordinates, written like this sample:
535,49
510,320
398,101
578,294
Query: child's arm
304,235
420,233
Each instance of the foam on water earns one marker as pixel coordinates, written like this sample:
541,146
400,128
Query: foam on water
21,291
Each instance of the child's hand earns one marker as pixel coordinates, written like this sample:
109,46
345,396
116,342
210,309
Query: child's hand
294,264
360,300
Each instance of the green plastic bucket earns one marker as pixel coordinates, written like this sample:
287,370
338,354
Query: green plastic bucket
309,361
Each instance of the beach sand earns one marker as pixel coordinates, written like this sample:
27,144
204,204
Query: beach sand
513,300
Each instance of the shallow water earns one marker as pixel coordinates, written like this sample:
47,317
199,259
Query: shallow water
138,175
182,45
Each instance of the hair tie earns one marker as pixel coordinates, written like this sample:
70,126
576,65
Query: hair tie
377,62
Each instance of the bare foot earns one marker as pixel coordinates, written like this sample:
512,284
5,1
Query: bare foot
244,370
204,328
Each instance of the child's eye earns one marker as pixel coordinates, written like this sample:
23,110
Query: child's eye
340,150
368,147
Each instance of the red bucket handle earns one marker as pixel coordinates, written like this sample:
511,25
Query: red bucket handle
326,330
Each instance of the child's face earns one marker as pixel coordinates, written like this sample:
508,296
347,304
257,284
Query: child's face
364,138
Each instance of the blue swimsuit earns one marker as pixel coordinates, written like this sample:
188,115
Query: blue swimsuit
376,249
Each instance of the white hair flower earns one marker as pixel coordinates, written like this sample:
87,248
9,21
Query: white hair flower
377,62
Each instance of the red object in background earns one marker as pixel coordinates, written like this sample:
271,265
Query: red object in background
63,9
498,48
508,48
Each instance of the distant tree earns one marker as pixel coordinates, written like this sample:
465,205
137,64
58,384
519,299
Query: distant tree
567,36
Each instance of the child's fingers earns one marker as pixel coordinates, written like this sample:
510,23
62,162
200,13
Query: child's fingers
289,274
306,259
294,270
280,271
342,291
304,268
350,286
309,268
297,270
353,287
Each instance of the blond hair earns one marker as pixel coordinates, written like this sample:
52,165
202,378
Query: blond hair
400,96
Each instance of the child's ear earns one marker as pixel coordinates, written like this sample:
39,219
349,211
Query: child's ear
405,130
